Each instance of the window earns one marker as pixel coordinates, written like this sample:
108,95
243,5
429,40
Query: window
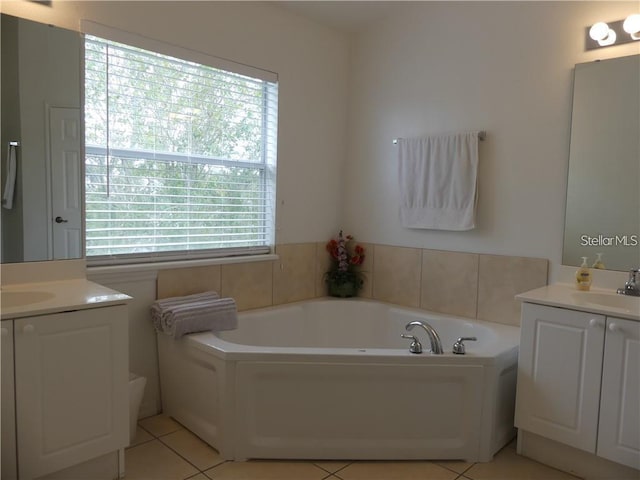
180,157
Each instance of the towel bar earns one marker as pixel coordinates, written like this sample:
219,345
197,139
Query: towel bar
481,136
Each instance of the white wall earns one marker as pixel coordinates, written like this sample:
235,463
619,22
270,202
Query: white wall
433,67
503,67
312,64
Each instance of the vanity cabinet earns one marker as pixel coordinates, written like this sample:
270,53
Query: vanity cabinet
8,405
619,427
71,388
578,381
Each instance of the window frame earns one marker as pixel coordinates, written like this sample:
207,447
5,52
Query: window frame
267,165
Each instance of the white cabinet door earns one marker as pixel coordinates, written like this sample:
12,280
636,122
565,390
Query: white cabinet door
71,388
8,419
619,434
559,371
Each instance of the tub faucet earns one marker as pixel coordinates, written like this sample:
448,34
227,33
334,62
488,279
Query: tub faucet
434,338
632,287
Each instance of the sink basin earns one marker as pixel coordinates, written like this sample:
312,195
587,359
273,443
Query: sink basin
613,301
21,299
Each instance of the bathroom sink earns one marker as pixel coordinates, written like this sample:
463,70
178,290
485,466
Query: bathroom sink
20,299
612,301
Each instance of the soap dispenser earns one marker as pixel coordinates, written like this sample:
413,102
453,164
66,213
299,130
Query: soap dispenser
583,276
599,264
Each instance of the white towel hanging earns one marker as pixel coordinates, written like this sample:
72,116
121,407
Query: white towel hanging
438,181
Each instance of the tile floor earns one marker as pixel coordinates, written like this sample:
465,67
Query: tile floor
164,450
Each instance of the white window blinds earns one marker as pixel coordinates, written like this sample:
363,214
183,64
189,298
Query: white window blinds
180,156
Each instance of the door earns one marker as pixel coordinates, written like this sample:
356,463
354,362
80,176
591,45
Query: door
8,419
66,182
619,434
559,372
71,388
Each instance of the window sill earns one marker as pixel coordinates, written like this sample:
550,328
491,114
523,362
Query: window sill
155,266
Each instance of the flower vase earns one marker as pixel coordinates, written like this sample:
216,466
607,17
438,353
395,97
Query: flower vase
343,286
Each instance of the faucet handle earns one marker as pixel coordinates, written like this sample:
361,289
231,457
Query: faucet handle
458,347
416,346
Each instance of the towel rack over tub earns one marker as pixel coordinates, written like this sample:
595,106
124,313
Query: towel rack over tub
14,144
481,136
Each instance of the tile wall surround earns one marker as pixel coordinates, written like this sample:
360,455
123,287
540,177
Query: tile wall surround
459,283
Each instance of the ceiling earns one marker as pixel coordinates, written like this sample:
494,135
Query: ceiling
347,16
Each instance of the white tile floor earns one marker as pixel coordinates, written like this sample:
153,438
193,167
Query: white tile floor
164,450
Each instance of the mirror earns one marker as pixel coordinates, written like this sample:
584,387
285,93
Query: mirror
41,82
603,191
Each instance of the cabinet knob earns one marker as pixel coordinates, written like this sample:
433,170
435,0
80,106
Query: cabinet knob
4,332
28,329
614,327
594,322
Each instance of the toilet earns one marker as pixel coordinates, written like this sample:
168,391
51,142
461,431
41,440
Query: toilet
136,392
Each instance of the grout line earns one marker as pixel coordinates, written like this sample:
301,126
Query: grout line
449,468
216,466
462,477
146,430
140,443
421,281
330,461
182,457
181,427
195,475
169,433
373,266
477,285
470,467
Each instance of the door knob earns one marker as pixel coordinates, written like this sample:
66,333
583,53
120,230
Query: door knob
28,329
61,220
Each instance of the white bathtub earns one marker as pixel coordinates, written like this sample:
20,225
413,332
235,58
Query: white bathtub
332,379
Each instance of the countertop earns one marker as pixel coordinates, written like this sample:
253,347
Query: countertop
30,299
604,302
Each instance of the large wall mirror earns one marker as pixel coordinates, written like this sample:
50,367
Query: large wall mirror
603,193
41,92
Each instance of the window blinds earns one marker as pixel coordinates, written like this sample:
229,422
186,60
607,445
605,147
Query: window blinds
180,156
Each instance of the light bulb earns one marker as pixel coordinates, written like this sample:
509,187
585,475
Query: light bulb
632,26
609,39
599,31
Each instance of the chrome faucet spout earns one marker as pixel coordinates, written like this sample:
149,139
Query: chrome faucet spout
434,338
632,287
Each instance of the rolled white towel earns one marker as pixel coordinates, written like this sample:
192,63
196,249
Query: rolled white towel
161,308
215,316
197,308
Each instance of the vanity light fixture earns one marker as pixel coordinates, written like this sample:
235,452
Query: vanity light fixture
631,25
603,34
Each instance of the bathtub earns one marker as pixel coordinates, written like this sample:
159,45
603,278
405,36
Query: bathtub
333,379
